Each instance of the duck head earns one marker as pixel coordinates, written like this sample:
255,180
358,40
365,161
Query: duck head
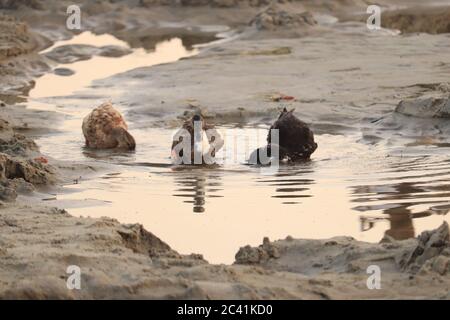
198,118
124,139
284,112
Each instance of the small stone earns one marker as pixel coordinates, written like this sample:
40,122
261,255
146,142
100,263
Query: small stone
275,17
425,108
63,72
317,265
7,194
441,265
430,245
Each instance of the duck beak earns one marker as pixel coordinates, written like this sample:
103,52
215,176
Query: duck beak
131,143
125,139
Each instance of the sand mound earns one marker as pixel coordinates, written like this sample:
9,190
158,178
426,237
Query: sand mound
429,20
425,108
196,3
18,171
139,265
433,249
13,143
429,253
136,238
432,101
18,176
19,62
14,38
317,4
212,3
261,254
16,4
31,171
275,17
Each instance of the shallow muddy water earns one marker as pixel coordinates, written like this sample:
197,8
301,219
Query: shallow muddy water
350,187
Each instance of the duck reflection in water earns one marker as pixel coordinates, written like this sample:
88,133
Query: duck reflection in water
291,183
197,185
400,219
399,215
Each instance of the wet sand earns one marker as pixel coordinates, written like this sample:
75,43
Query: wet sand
124,261
120,261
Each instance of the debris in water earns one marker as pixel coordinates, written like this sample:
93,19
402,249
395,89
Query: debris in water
281,97
41,159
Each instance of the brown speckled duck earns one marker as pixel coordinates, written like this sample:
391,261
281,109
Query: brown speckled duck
105,128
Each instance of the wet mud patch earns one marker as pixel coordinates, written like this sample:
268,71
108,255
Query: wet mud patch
136,238
17,4
15,38
275,17
432,20
78,52
425,107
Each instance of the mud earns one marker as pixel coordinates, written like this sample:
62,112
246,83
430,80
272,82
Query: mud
73,53
275,17
434,20
120,261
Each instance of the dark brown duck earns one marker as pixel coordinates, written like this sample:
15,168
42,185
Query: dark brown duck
296,140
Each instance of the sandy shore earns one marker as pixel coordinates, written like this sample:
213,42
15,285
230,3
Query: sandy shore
125,261
38,243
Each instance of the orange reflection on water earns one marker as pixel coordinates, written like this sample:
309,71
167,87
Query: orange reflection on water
98,67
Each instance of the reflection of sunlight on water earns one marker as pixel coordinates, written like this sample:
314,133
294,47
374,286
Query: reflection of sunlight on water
98,67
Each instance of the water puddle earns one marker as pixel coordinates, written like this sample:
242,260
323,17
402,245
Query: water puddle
99,67
349,188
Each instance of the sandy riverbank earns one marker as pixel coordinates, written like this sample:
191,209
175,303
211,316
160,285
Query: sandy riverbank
37,242
125,261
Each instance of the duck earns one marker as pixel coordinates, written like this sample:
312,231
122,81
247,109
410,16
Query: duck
105,128
206,141
296,140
